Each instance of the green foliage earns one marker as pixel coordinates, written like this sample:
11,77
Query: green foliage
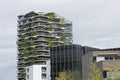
30,14
51,16
50,43
26,53
33,33
34,52
63,37
68,75
95,73
32,62
49,28
63,22
113,74
23,70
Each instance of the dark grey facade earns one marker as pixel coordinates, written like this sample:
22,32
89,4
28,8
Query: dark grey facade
68,57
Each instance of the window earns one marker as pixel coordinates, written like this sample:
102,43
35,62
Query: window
100,58
43,69
104,74
111,58
27,76
27,69
94,59
43,76
106,58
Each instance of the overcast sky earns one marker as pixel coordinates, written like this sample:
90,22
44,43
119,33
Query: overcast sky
95,23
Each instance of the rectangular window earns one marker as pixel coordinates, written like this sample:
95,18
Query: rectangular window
27,76
43,76
94,59
27,70
43,69
104,74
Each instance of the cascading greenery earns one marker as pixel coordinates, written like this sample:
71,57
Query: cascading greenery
30,14
51,16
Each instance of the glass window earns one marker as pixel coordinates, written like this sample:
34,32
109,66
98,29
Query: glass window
27,76
27,69
43,69
94,59
104,74
43,76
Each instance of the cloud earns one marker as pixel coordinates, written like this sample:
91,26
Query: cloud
109,42
7,64
95,23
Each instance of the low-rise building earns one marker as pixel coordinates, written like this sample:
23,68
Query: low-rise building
106,61
68,57
38,72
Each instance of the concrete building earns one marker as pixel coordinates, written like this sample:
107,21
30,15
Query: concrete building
37,32
105,61
68,57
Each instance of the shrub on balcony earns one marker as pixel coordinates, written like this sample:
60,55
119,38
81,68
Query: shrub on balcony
49,28
30,14
51,16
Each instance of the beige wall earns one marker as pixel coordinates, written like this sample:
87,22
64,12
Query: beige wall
102,65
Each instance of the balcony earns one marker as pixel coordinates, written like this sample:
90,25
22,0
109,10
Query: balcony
20,48
58,41
40,45
21,62
44,54
41,39
42,50
20,57
39,24
21,66
42,30
41,20
21,75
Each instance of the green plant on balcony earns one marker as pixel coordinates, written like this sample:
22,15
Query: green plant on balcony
30,14
62,21
18,43
63,37
31,43
23,75
34,52
26,53
50,43
33,33
49,28
32,62
23,70
51,16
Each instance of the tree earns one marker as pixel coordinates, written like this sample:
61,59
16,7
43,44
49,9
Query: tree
95,73
113,74
68,75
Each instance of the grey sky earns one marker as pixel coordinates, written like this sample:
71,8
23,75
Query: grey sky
95,23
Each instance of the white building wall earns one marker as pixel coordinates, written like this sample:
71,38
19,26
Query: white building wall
29,73
35,71
48,70
100,58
